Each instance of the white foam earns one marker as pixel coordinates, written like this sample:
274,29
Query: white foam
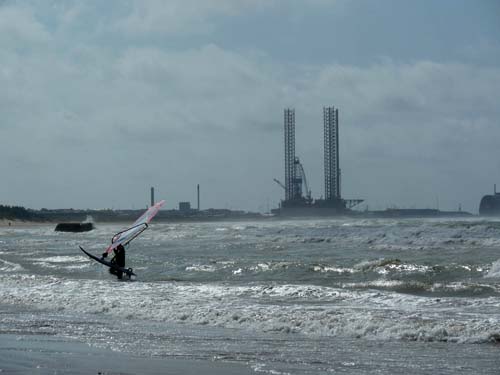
494,270
309,310
325,269
62,261
379,283
60,266
212,267
202,268
269,266
7,266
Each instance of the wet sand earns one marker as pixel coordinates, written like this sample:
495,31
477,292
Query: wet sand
36,354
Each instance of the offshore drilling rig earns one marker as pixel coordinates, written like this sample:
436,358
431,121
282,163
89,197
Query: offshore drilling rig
296,203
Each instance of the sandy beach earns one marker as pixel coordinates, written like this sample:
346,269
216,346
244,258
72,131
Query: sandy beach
20,223
38,354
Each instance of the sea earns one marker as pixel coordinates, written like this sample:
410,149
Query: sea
339,295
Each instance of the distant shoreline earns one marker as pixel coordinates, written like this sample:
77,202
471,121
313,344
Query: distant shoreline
20,223
4,223
19,216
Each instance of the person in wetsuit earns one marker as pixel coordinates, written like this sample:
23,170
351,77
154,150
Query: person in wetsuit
118,259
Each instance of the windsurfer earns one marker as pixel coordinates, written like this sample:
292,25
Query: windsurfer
118,259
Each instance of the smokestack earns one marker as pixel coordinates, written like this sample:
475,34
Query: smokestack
152,196
495,189
198,188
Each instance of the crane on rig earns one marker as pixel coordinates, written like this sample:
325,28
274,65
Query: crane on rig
301,177
279,183
298,179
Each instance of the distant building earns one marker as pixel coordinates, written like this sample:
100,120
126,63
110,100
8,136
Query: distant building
184,206
490,204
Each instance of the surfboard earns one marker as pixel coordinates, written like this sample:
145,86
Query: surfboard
128,271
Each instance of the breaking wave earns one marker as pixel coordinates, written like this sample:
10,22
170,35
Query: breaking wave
7,266
308,310
494,270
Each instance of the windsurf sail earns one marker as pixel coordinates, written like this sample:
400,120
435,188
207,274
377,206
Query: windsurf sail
140,225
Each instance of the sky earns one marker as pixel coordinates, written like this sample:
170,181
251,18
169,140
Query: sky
100,100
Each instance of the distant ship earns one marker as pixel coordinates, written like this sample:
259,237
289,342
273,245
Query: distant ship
490,204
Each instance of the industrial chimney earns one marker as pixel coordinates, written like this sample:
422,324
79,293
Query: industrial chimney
198,191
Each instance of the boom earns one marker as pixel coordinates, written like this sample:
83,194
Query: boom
140,225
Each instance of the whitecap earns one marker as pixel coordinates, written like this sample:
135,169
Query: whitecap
494,270
7,266
201,268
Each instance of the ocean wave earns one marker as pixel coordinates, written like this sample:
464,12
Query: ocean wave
401,236
430,235
411,274
380,266
213,266
448,290
384,266
396,285
466,289
7,266
323,268
289,309
201,268
71,262
494,270
62,259
371,234
313,240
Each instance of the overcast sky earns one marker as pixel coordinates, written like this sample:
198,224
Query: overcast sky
99,100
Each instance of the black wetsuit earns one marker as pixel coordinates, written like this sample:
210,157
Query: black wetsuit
119,260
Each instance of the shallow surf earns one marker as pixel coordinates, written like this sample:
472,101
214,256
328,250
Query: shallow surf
278,296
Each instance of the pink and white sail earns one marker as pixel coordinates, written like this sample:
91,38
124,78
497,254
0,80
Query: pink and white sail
139,226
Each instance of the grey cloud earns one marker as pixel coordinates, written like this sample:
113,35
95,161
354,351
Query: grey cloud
133,115
176,16
20,29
